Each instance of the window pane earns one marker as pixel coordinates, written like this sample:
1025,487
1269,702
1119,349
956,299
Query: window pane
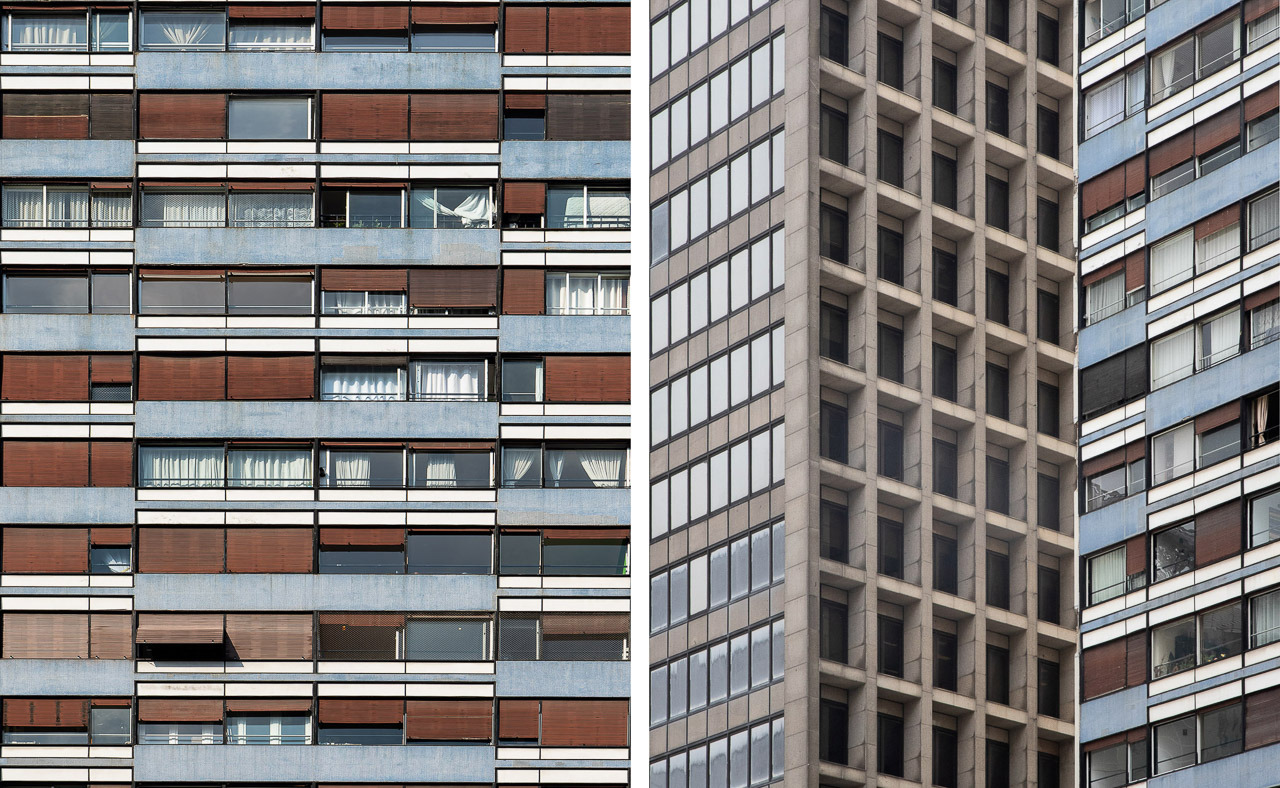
276,118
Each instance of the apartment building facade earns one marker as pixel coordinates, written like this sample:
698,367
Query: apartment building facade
861,382
1179,243
314,394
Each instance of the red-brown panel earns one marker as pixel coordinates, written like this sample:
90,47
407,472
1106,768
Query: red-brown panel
46,463
364,116
265,549
110,464
595,29
45,550
181,549
271,377
525,29
524,291
45,378
182,116
171,377
453,116
584,723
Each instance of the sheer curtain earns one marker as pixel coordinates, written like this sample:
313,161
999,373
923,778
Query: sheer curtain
361,383
613,295
1172,358
1219,339
569,294
603,466
519,467
555,467
1171,260
458,208
1103,106
350,469
183,30
1264,619
447,380
1214,250
180,466
1264,324
68,207
1107,576
270,35
270,468
112,209
1105,298
50,32
23,206
184,210
437,470
1171,454
1264,220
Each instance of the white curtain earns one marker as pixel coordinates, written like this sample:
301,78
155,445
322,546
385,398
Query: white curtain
1219,339
1264,619
1172,358
1106,576
361,303
571,294
182,30
1104,107
270,468
1105,298
362,383
447,380
1170,69
439,470
49,32
180,466
112,210
1171,260
350,469
258,209
518,466
1214,250
271,35
1264,220
614,295
1260,408
23,206
1171,454
68,207
464,208
184,210
603,466
555,466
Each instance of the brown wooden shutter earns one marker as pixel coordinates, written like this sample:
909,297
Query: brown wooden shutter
1217,417
524,291
363,711
111,535
45,550
182,116
453,116
274,705
588,116
1102,191
518,720
361,537
169,377
1093,277
584,723
1135,270
239,11
1217,221
595,29
110,636
263,549
365,16
391,280
45,636
1171,152
1262,718
114,368
45,378
449,720
1263,296
453,287
46,463
111,116
587,379
586,623
450,14
579,534
180,549
1102,668
1135,555
1105,462
524,100
110,463
269,636
179,709
180,628
45,116
364,116
1135,647
1135,176
1218,533
524,197
362,619
271,377
524,29
46,713
1263,101
1217,130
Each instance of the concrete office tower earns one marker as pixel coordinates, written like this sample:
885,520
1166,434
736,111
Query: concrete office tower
1179,530
315,419
862,386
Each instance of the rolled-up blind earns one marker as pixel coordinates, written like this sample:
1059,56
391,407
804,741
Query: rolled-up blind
364,16
524,29
363,711
587,378
524,197
364,116
1218,533
296,11
586,623
45,378
47,116
390,280
1263,296
284,636
518,720
1103,462
449,720
1102,191
273,377
524,100
453,287
1216,222
111,116
524,291
182,116
270,706
1171,152
362,619
588,116
110,535
580,534
1217,417
110,636
46,464
453,116
180,549
584,723
1264,100
45,636
180,628
1217,130
455,15
264,549
45,550
595,29
111,463
179,709
361,537
1102,668
182,377
46,713
114,368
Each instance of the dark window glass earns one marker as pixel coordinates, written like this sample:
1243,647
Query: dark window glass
889,61
366,41
997,109
891,450
997,674
946,758
46,293
833,226
890,262
946,475
833,139
834,36
997,297
946,564
1047,503
998,19
947,7
1047,132
269,118
110,392
945,88
834,631
110,293
362,734
1047,224
524,124
892,547
997,485
890,756
834,523
946,660
363,208
946,277
1111,383
997,203
1047,39
889,645
517,637
1047,698
453,39
833,731
997,580
1048,596
1047,765
181,296
269,295
518,554
945,384
374,561
997,391
467,469
889,158
834,333
449,554
834,429
1047,409
997,764
944,183
521,380
1173,551
890,353
1221,732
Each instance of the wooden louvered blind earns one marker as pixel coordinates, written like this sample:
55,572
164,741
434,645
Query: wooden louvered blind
580,534
453,116
46,116
1217,130
518,720
1263,101
1217,417
524,29
1135,555
1263,296
46,464
237,11
263,549
274,705
111,535
179,709
524,291
170,377
45,550
524,197
182,116
449,720
1171,152
1135,671
111,116
390,280
584,723
450,14
365,16
110,636
271,377
364,116
180,549
596,29
114,368
110,463
361,537
46,713
180,628
1102,668
45,636
588,116
343,711
1218,533
1102,191
45,378
587,379
1262,718
453,287
269,636
1217,222
569,624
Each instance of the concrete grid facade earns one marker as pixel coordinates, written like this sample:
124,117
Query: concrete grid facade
923,384
315,420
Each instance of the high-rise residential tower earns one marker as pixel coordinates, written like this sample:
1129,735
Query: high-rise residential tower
1179,408
862,386
314,401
